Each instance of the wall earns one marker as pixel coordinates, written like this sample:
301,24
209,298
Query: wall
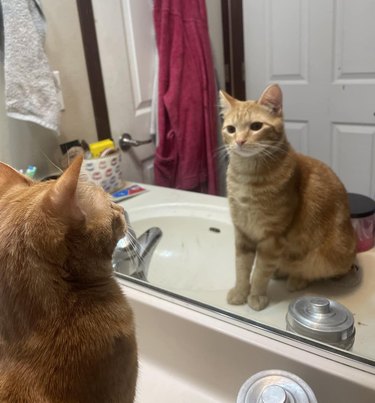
22,143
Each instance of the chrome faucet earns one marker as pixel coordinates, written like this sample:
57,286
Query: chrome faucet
132,255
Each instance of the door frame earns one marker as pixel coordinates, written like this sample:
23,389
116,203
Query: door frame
94,68
233,45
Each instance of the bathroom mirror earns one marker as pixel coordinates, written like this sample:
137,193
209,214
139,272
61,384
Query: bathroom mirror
322,55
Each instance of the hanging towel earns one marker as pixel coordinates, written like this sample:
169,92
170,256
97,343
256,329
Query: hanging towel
187,112
30,87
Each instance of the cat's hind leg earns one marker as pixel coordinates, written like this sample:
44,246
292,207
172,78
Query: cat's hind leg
297,279
296,283
280,274
317,266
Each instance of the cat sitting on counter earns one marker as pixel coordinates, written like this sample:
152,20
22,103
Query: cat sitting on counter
66,329
290,212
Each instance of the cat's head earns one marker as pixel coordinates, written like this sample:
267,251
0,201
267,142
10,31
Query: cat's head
58,224
253,128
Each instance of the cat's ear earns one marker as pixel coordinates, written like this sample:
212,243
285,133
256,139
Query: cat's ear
226,102
9,177
272,99
63,194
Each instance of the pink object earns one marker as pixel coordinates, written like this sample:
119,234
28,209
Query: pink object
364,228
187,110
362,209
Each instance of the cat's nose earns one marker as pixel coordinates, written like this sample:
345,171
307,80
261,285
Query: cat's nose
240,142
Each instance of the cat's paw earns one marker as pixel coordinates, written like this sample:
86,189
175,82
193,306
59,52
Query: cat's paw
296,283
257,302
237,296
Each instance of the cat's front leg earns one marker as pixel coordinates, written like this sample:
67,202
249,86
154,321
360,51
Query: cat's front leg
258,298
268,253
245,254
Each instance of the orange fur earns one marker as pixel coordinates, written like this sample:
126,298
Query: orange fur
67,331
288,209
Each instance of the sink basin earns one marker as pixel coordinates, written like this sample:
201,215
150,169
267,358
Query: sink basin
196,242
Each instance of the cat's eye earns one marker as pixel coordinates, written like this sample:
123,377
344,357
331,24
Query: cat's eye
255,126
231,129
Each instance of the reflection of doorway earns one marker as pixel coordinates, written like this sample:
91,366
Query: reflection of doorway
233,44
90,45
120,57
112,44
322,53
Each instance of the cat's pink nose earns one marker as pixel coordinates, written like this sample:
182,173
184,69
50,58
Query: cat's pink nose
240,142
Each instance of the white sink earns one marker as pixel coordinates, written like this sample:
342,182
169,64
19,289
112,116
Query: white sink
197,241
212,352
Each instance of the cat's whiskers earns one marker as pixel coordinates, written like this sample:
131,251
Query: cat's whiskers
222,154
270,149
51,162
267,149
135,258
266,158
265,155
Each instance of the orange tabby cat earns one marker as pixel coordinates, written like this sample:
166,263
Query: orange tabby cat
67,331
289,210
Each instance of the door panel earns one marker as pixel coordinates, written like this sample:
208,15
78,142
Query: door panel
141,50
287,39
322,53
127,53
297,135
353,148
354,38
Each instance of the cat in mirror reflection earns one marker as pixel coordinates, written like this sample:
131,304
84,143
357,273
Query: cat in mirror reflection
66,329
290,212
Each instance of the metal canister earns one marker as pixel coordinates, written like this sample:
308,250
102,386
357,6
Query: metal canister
275,386
321,319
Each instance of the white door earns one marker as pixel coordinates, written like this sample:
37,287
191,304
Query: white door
322,53
128,59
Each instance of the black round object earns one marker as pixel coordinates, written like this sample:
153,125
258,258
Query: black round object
47,178
360,205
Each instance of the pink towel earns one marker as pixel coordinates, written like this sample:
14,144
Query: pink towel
187,97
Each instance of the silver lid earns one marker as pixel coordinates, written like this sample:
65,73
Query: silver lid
321,319
275,386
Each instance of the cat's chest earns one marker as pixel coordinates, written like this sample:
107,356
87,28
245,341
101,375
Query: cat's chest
250,216
260,205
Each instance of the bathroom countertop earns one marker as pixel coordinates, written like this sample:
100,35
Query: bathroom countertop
158,195
359,299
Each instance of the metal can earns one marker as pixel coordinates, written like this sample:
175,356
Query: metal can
321,319
275,386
